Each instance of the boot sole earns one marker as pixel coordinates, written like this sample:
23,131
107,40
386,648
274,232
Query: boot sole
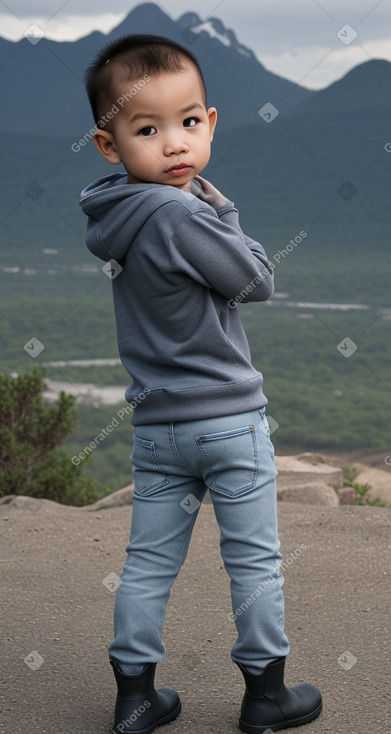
149,729
252,729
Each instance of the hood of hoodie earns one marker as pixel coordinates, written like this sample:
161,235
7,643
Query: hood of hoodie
117,211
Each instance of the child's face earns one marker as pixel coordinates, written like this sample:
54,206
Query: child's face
172,128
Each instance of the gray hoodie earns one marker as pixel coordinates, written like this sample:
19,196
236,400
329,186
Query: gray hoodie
185,266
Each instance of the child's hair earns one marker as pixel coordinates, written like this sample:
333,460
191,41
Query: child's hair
130,58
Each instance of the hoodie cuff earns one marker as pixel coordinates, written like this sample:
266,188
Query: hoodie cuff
229,215
223,208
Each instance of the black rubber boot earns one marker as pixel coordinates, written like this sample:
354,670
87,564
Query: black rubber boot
139,707
268,705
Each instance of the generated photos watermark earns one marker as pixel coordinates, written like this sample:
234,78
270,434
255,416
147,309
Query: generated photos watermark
347,660
347,347
114,423
262,587
127,723
112,581
34,660
112,268
190,504
113,111
267,269
34,347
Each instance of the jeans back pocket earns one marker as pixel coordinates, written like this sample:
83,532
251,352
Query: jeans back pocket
230,458
147,473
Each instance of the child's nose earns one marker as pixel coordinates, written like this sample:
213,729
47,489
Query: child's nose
175,144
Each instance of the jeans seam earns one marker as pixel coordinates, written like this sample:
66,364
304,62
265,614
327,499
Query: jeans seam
186,542
175,450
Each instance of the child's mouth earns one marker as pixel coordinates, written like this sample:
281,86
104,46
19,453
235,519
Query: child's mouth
179,170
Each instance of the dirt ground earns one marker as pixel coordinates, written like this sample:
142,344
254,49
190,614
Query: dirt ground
57,607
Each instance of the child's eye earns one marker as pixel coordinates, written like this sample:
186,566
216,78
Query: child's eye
147,131
190,121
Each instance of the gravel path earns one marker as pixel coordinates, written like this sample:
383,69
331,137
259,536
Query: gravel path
56,616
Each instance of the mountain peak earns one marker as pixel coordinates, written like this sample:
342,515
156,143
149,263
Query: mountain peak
146,8
368,69
189,19
147,15
368,80
216,29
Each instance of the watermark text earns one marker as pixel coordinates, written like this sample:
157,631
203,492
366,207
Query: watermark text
115,108
104,432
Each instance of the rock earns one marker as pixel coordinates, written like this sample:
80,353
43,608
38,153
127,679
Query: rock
35,504
299,470
346,496
378,478
7,499
311,493
116,499
308,478
312,458
24,502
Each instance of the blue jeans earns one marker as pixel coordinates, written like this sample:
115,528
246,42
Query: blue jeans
173,466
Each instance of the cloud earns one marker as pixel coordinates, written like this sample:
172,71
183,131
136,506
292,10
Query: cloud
60,28
315,67
296,40
48,8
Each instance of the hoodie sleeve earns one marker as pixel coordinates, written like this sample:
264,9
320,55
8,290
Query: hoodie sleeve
230,215
212,249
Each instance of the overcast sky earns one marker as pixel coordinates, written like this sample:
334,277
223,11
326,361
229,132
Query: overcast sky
294,38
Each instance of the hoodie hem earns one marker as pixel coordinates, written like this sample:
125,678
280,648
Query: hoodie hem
166,406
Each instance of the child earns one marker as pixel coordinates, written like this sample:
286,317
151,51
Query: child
180,263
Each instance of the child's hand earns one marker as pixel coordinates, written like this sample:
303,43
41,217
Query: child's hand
210,194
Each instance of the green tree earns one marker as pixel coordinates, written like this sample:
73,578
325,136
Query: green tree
30,433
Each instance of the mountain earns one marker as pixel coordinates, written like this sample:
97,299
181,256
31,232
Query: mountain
321,164
311,163
327,155
43,82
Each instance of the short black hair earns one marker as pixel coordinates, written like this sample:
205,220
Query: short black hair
129,58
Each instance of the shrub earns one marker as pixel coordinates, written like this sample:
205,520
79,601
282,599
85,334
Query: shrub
30,433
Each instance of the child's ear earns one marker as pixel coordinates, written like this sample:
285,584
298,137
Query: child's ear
212,114
105,143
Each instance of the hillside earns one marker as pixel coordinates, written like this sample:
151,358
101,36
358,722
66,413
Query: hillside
321,166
